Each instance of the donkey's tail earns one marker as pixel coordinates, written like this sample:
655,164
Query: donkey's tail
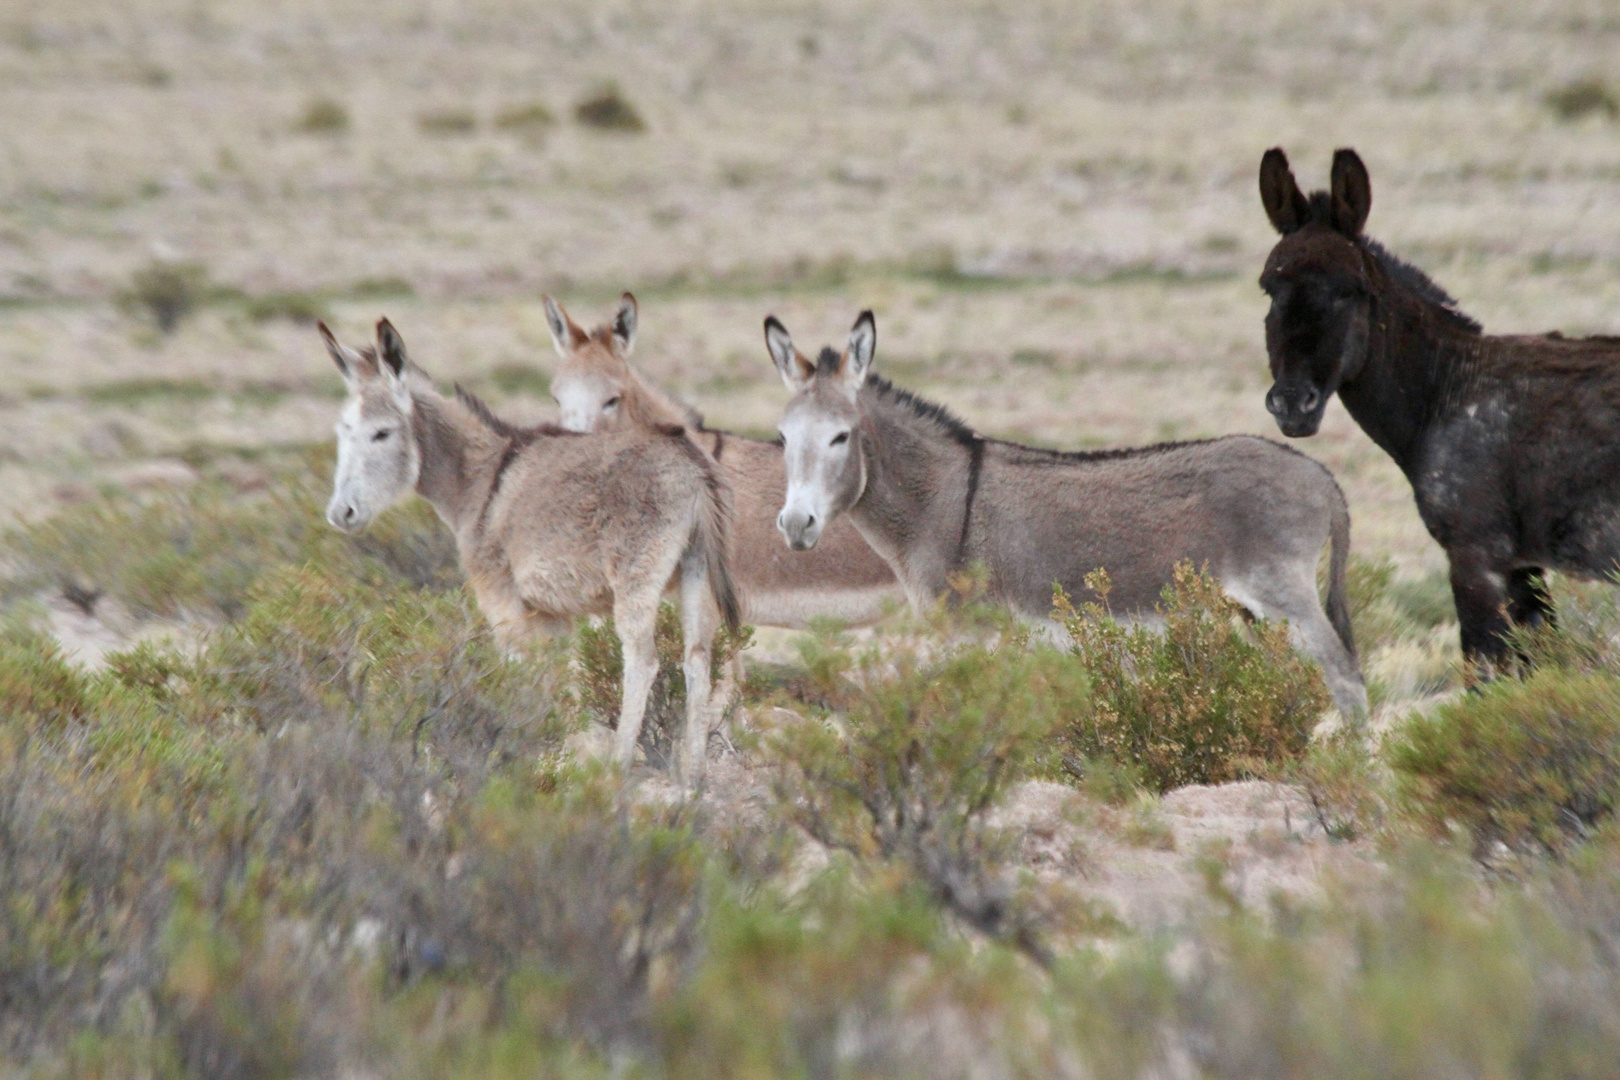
712,530
1338,609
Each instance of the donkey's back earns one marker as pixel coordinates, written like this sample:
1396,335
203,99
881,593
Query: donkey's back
1248,508
576,521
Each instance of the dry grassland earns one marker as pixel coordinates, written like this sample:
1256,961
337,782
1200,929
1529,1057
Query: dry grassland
1050,206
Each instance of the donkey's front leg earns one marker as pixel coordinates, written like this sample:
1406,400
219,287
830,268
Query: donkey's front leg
1479,586
635,620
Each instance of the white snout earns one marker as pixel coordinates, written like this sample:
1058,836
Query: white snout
800,523
344,514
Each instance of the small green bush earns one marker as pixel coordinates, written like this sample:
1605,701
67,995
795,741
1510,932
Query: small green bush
1202,701
1531,765
1583,97
1584,637
607,109
1340,778
600,683
37,684
322,116
298,307
926,740
199,551
166,292
446,122
528,120
1387,609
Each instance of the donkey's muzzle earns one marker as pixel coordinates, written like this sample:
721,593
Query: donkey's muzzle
801,530
345,516
1297,408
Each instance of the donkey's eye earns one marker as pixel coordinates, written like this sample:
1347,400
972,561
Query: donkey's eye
381,436
839,439
612,402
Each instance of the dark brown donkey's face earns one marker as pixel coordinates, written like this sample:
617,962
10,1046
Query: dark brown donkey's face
1316,276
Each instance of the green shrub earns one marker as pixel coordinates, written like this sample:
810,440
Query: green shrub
37,684
1427,975
831,984
1201,701
196,839
297,307
1583,97
443,122
928,737
166,292
199,551
527,120
607,109
1340,778
1584,637
1532,765
600,683
322,116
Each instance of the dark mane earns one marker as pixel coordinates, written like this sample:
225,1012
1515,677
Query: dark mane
1412,279
959,431
925,410
475,405
1402,273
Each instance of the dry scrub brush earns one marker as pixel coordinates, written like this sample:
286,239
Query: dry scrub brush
1202,701
198,552
926,736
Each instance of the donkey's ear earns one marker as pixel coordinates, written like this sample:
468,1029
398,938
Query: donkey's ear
391,349
862,347
1285,204
336,351
624,323
350,364
565,334
794,368
1352,193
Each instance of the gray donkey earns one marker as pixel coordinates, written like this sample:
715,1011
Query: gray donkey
933,497
549,524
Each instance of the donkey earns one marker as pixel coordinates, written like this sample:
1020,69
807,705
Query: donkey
1511,444
932,497
548,524
596,389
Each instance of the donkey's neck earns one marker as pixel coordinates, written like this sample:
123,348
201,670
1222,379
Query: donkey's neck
459,458
1421,357
916,481
653,405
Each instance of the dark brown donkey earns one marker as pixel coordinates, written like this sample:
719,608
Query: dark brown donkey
1512,444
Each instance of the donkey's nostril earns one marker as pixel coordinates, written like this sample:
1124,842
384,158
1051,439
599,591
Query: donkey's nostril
1308,400
810,521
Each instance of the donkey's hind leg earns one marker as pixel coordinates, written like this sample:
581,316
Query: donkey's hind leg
635,619
1293,597
699,620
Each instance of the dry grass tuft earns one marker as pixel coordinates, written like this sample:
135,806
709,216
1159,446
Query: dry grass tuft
607,109
447,122
1582,98
322,116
